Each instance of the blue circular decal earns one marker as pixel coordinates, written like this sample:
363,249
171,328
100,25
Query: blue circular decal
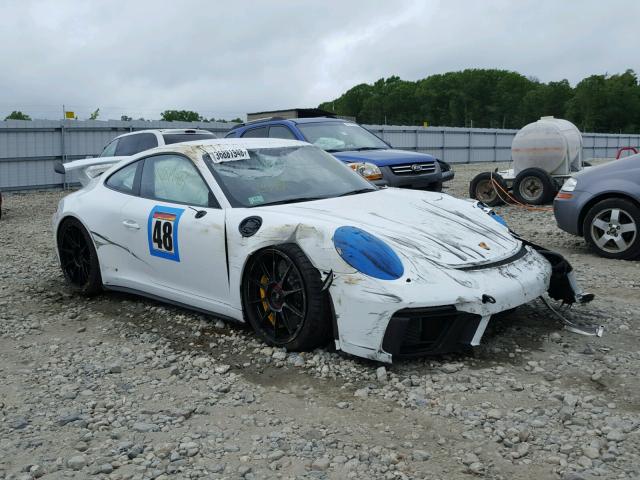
367,253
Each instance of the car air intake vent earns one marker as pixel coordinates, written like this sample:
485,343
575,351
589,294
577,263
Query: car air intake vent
419,331
414,168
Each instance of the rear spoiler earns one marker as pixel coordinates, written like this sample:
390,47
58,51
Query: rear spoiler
87,168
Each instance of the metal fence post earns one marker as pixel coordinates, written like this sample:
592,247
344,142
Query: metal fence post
63,153
444,140
470,133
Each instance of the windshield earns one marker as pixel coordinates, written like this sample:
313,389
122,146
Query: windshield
285,175
340,136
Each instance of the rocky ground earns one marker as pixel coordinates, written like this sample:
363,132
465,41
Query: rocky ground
121,387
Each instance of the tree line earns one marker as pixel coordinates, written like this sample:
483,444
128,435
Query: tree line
491,98
167,115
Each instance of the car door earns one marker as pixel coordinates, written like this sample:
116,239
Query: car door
105,224
177,227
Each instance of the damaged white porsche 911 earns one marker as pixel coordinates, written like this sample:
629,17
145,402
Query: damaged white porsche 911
282,235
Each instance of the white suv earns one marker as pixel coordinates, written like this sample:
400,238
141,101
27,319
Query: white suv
128,144
136,142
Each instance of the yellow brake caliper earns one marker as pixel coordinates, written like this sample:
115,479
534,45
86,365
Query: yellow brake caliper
265,304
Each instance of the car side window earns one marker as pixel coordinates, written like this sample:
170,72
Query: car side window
260,132
280,131
124,180
132,144
110,149
146,141
174,178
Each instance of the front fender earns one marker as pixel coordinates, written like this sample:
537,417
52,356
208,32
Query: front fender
276,229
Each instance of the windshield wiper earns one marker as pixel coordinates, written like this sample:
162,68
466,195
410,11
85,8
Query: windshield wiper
360,149
356,192
290,200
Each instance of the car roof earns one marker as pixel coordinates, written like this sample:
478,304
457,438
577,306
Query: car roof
318,120
167,131
270,120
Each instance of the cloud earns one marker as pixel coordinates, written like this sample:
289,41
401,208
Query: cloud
225,59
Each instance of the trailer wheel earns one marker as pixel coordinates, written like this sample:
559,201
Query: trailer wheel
482,188
534,186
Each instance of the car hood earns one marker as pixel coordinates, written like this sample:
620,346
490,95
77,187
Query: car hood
621,168
385,157
419,226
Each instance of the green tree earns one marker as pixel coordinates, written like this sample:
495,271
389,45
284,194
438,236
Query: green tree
180,116
125,118
17,115
544,100
495,98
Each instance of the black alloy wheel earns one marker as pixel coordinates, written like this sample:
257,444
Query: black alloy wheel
283,300
78,258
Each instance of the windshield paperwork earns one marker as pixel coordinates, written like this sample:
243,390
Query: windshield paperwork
275,176
340,136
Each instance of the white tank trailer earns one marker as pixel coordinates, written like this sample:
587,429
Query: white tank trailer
544,154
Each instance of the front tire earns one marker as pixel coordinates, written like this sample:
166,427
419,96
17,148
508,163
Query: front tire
283,300
612,229
78,258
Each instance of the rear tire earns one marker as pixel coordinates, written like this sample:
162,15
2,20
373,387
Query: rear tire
283,301
78,258
534,186
482,188
612,229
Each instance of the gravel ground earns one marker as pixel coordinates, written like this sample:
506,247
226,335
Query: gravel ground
126,388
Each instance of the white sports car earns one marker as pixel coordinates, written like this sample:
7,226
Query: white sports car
284,236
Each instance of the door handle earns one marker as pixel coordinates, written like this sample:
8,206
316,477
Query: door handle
131,224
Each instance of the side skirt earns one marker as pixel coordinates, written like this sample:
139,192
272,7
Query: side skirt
158,298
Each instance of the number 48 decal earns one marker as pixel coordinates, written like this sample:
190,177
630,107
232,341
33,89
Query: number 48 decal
162,230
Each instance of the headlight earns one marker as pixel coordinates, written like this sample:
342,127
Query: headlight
367,253
491,212
570,185
367,170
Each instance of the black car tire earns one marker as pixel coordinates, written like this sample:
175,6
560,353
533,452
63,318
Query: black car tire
598,237
78,258
481,188
534,186
283,300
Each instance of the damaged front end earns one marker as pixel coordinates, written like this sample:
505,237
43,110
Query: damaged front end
402,288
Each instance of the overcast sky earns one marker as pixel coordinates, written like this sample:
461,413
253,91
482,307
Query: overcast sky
224,59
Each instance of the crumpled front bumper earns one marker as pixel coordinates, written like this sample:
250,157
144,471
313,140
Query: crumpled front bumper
442,311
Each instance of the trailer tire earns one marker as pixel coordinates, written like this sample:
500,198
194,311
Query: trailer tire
481,188
534,186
